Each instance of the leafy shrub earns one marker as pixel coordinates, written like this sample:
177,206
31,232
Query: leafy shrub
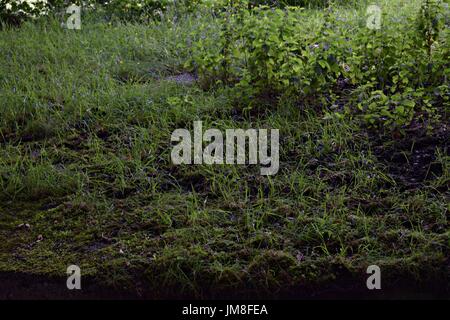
430,22
136,9
265,51
297,3
144,10
404,73
15,11
393,76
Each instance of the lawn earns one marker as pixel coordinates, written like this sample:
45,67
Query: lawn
86,176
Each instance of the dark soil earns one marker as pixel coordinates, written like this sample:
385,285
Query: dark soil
411,160
17,286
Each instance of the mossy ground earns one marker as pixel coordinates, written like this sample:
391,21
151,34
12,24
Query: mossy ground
85,124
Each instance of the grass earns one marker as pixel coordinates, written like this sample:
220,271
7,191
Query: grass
85,124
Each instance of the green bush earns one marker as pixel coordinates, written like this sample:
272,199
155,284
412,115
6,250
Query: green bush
403,76
389,76
298,3
145,10
266,50
137,9
15,11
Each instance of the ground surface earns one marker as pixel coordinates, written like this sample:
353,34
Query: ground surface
86,179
